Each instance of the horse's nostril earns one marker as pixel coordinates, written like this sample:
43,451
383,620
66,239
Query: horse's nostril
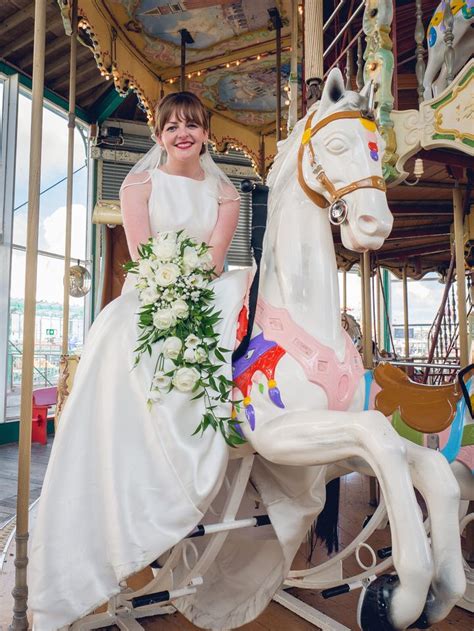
367,224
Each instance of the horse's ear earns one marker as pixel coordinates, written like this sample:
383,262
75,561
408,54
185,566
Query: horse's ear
333,90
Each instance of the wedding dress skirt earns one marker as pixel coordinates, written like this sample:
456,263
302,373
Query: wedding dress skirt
125,483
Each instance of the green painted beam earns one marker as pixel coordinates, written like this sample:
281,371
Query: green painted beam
106,105
48,94
9,431
386,322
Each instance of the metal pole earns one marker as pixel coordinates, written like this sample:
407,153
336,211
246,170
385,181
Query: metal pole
186,38
344,290
460,274
378,306
293,109
313,48
405,312
182,80
278,82
367,328
386,295
20,591
277,25
70,178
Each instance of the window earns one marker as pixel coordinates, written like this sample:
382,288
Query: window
51,246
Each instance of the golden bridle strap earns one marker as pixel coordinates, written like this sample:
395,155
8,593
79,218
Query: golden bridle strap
372,181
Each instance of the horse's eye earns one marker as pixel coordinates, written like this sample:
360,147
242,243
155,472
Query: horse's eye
336,145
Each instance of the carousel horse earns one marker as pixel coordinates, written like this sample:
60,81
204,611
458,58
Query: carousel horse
434,80
302,389
302,380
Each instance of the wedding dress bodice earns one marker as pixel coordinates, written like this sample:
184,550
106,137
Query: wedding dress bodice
196,211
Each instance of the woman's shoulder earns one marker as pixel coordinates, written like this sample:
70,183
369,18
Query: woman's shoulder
139,183
228,193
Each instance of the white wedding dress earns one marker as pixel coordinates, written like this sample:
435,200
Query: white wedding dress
124,484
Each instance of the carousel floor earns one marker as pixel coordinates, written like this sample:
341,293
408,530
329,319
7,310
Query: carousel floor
354,500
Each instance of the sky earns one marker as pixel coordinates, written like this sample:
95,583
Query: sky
52,206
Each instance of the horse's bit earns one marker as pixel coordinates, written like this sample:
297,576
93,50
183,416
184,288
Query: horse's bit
338,208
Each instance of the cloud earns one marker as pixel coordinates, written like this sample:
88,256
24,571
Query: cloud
54,230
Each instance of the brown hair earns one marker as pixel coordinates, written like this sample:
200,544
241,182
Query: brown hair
187,107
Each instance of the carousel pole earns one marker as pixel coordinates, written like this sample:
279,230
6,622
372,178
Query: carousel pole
367,323
70,169
344,290
314,48
293,109
186,38
380,335
277,24
20,591
405,312
460,274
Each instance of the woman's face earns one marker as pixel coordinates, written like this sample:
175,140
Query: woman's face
182,140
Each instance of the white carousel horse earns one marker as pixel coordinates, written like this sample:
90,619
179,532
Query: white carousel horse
303,386
312,413
434,80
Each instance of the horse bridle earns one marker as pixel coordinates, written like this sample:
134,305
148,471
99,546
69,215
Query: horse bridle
338,208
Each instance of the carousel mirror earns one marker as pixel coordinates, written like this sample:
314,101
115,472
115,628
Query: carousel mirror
79,281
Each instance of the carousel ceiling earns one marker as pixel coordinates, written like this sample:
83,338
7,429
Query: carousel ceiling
132,48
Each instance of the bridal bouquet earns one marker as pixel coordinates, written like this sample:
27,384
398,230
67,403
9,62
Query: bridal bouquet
176,306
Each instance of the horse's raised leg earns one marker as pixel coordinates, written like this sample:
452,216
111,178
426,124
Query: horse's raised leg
433,477
322,437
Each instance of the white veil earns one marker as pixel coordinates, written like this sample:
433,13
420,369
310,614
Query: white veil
220,183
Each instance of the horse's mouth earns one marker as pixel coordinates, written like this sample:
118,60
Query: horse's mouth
360,243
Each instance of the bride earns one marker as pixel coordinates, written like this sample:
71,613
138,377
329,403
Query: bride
125,483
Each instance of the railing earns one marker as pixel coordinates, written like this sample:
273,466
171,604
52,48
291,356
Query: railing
46,369
444,334
437,373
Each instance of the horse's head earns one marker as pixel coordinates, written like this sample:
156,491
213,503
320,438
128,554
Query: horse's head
340,165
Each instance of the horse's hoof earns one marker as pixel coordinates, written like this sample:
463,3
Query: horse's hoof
422,622
374,604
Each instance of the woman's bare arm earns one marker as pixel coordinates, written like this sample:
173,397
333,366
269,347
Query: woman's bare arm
225,227
134,200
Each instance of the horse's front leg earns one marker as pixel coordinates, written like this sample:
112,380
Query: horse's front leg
433,477
323,437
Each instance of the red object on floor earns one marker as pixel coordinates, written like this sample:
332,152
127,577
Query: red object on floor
43,399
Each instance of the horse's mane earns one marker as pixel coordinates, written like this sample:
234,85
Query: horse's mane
284,166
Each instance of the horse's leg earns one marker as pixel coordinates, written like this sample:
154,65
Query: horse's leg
323,437
432,476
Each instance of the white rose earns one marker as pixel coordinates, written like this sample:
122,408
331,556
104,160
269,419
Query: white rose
149,295
171,347
142,284
189,355
180,308
190,259
161,381
165,250
185,379
206,261
145,268
167,274
191,341
164,318
197,281
200,354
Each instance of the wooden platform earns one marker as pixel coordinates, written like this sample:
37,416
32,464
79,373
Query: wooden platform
354,497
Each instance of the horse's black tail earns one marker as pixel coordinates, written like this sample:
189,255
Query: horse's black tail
325,527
